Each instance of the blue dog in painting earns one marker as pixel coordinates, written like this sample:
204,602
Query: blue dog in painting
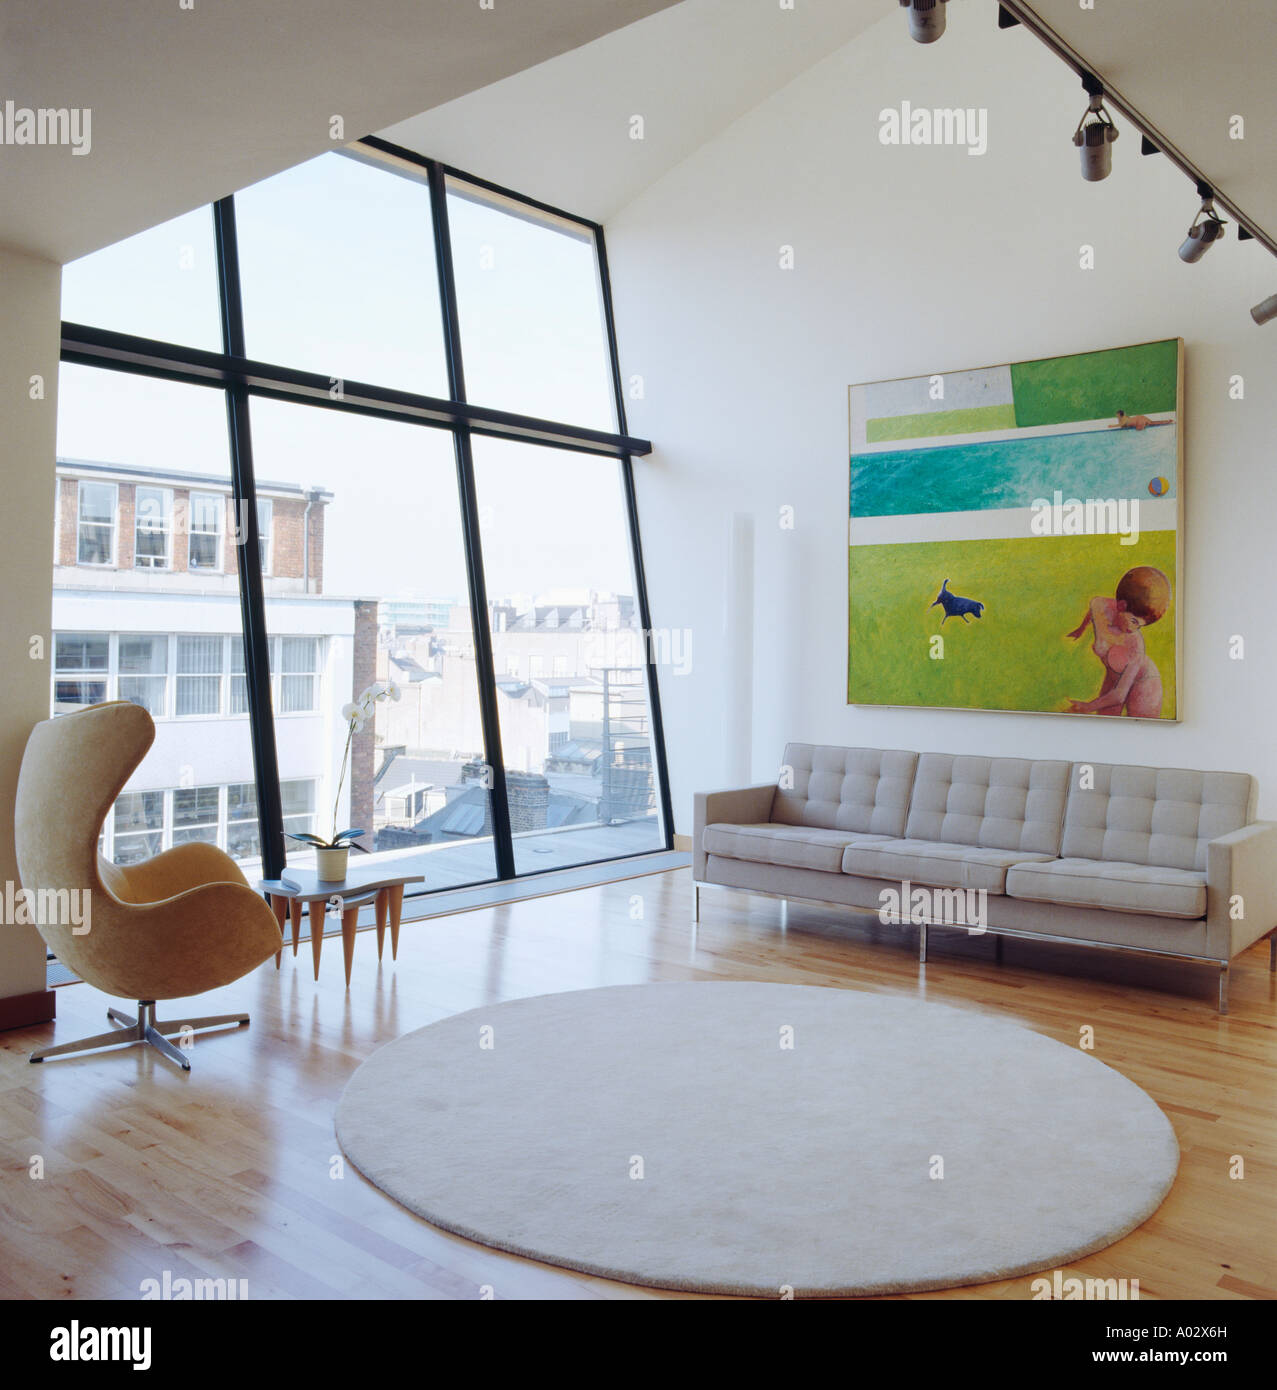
955,606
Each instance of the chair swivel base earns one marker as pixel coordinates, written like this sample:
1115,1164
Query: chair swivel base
145,1028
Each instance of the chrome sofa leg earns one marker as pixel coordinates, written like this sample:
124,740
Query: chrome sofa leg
696,902
1223,988
922,944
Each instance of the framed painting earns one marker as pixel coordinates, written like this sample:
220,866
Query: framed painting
1015,536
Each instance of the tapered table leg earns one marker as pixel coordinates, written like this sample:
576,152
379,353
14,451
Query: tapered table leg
383,913
295,913
279,906
349,921
315,908
395,897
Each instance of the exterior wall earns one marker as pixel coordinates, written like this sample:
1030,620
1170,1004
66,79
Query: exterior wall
286,551
363,747
29,309
68,519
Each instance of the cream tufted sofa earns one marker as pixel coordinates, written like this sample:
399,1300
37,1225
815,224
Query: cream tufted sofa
1162,860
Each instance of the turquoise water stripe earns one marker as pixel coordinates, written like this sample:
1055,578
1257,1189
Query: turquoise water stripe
1012,472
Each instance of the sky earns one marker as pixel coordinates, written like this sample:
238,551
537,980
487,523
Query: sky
338,275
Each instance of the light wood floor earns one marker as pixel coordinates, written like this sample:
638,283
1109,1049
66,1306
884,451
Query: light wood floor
225,1172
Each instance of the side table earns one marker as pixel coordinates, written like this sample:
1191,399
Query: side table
300,889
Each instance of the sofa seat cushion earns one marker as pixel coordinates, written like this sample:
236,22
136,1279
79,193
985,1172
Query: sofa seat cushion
936,863
1114,884
794,846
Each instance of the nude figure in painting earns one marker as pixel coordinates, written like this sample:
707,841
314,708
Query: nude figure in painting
1132,683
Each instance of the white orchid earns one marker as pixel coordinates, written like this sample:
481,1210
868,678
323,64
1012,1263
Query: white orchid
357,714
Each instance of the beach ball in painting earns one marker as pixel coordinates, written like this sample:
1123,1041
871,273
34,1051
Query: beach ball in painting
1159,487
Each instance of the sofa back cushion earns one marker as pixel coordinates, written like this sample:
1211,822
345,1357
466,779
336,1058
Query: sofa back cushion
996,803
863,789
1153,815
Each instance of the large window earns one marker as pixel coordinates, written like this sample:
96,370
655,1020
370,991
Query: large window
443,508
148,626
532,323
580,740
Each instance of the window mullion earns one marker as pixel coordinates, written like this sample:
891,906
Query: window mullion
257,670
485,666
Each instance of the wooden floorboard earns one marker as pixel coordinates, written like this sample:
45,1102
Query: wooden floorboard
232,1171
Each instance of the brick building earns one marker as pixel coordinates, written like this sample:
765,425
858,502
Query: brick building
146,608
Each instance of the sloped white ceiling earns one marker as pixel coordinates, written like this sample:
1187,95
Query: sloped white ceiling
189,104
1189,66
561,130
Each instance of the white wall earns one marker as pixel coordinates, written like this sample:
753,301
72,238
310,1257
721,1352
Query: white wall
910,261
30,289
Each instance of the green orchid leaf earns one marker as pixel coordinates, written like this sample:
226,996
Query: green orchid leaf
307,839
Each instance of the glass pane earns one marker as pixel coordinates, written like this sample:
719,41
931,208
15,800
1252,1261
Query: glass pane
198,695
338,272
533,335
298,654
296,694
97,502
76,651
69,695
153,518
580,766
205,552
139,811
143,666
163,446
161,284
194,805
198,655
390,526
139,826
265,515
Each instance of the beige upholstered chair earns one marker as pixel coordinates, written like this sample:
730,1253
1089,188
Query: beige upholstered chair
181,923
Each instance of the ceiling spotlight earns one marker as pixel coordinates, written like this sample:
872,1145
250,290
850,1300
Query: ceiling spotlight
926,19
1207,228
1095,138
1264,312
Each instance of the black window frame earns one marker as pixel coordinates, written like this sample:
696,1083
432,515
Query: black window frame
242,379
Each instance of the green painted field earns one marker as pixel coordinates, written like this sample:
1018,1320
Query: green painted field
1017,655
1140,380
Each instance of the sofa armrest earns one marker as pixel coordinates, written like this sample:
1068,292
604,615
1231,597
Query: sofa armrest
1241,888
736,806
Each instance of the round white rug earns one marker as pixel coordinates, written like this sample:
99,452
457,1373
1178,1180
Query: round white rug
758,1138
